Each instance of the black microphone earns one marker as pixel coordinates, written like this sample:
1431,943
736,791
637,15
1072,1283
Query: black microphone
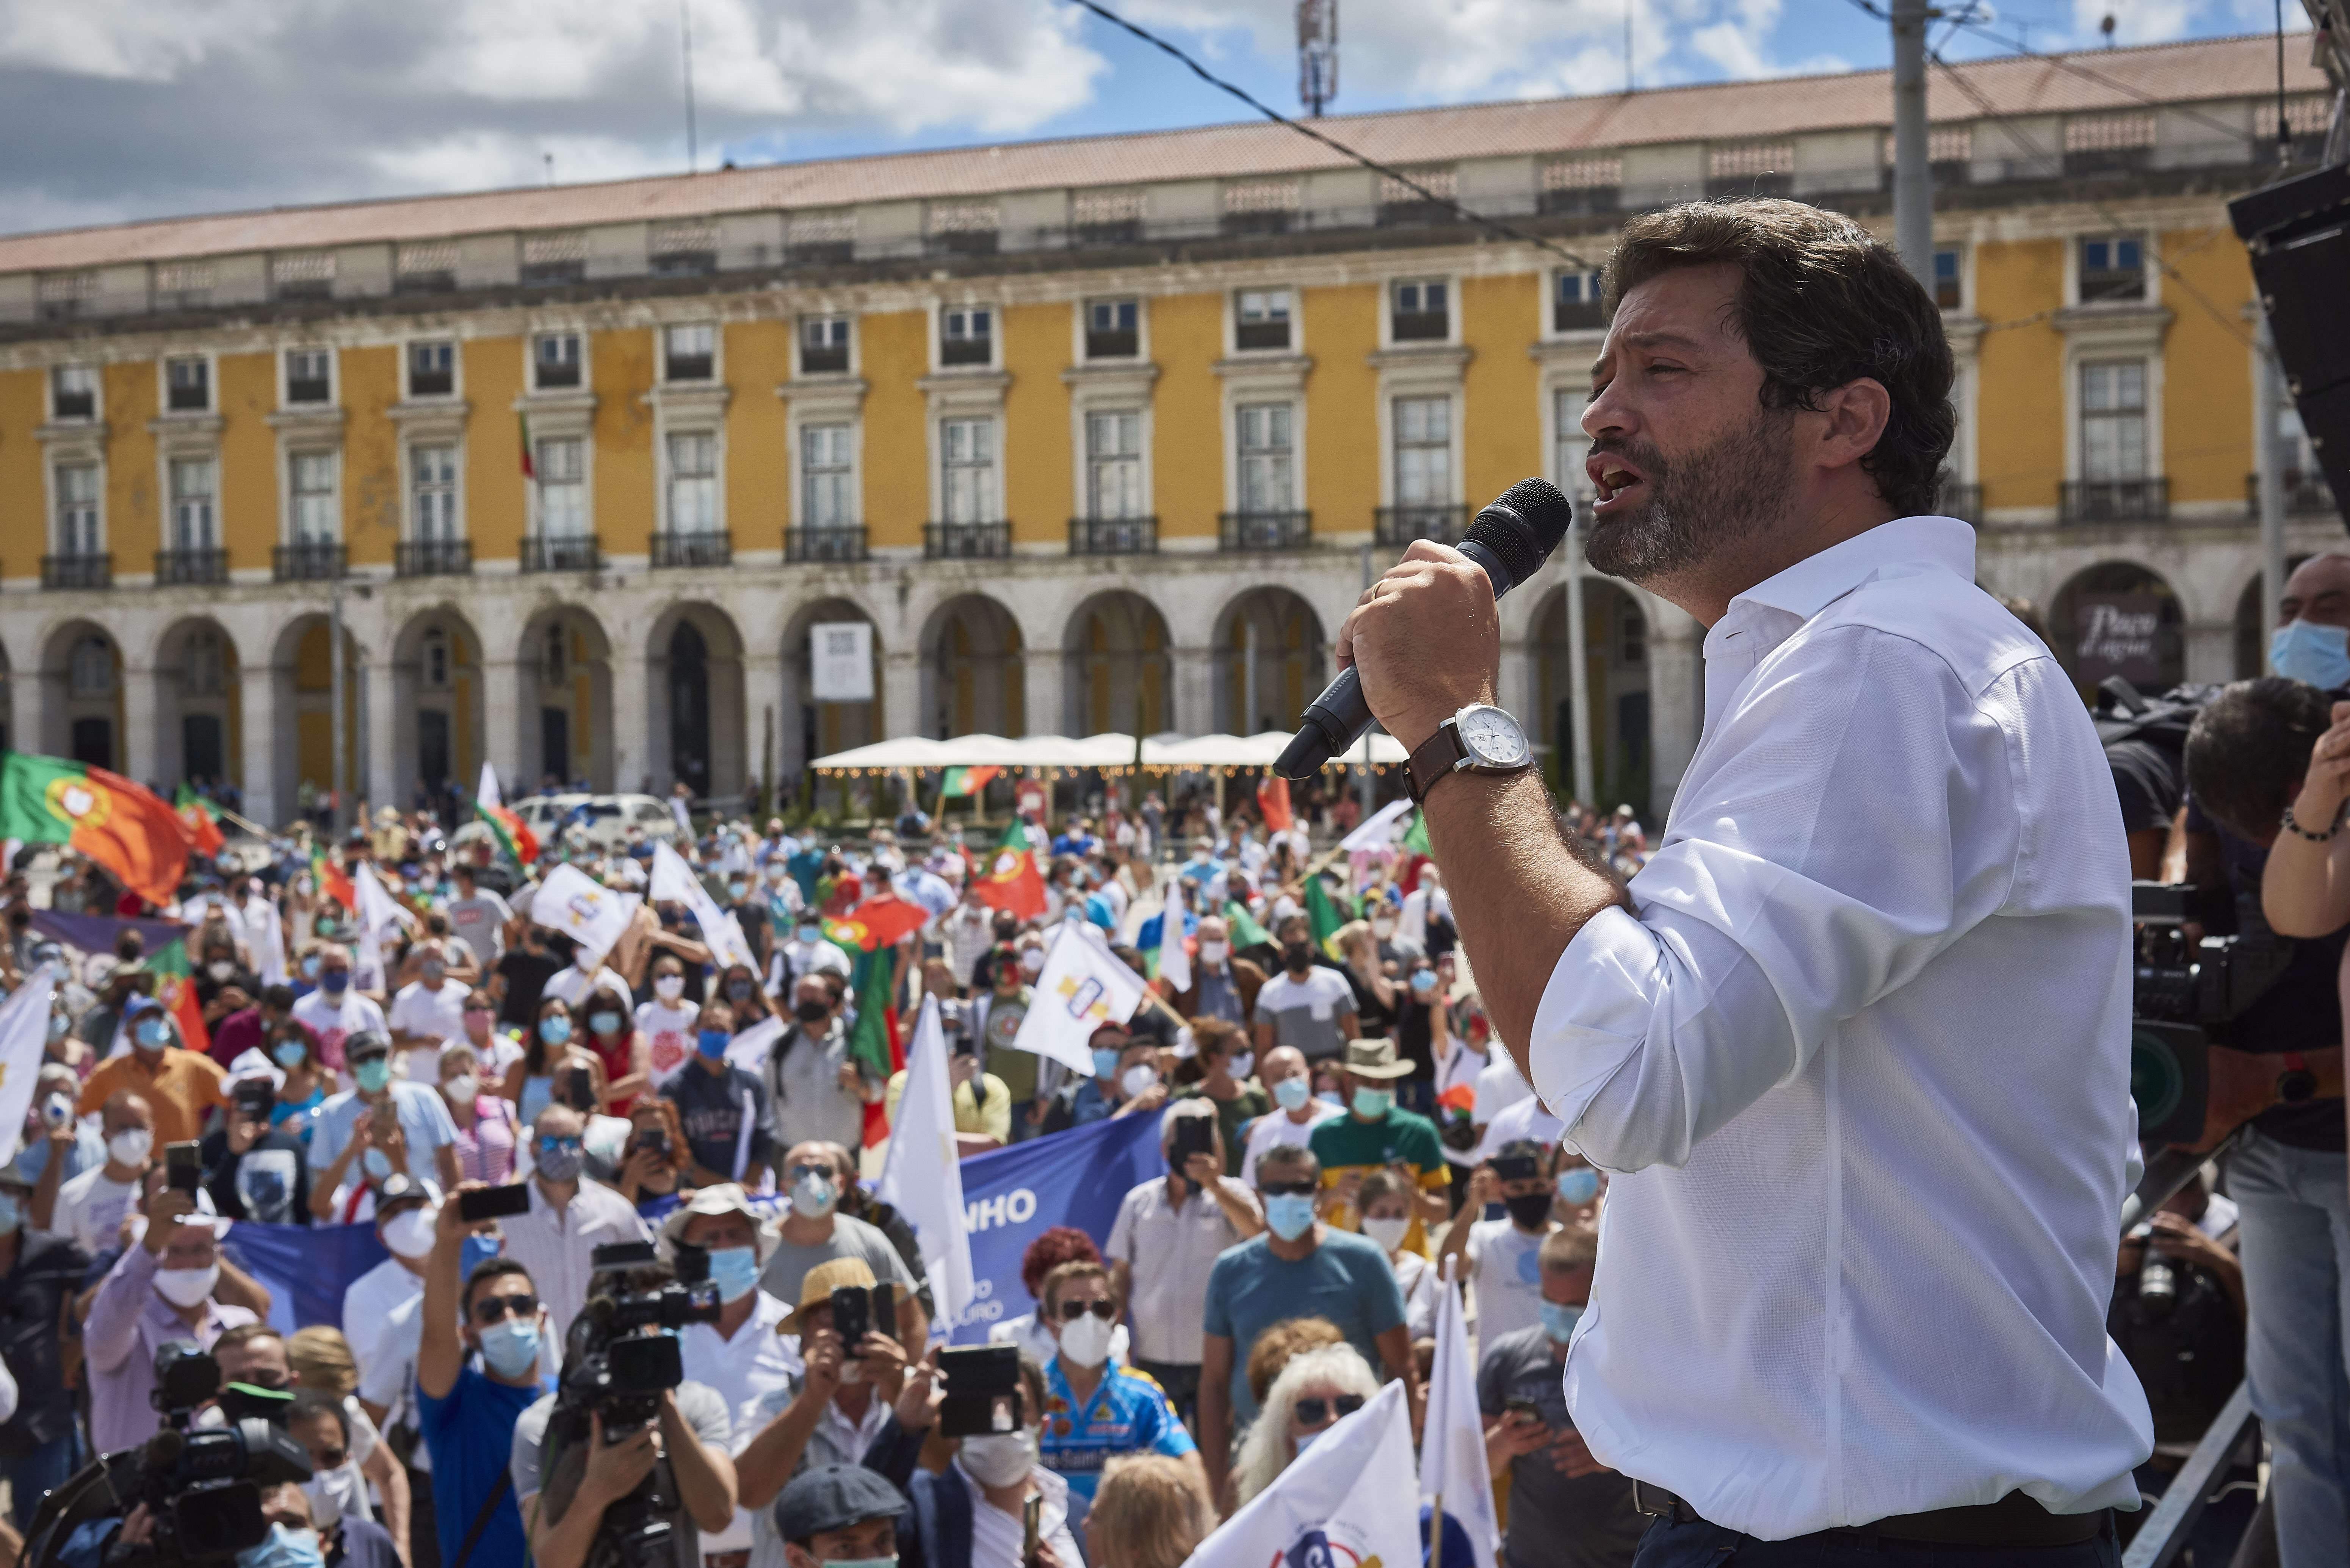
1511,539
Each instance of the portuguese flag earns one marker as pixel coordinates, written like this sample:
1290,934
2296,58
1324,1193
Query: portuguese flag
123,826
1012,882
1246,932
1323,914
203,832
332,880
177,991
965,780
881,921
514,835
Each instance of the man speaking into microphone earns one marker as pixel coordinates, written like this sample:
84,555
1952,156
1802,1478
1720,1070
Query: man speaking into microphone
1855,1041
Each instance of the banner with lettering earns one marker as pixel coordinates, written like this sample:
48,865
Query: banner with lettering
2118,634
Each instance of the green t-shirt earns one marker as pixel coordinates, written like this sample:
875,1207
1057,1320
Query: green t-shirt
1344,1143
1231,1116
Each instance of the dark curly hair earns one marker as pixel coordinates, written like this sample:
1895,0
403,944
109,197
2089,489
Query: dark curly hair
2249,748
1061,1244
1822,304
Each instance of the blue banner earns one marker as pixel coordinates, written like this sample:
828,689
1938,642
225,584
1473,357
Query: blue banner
306,1267
1015,1195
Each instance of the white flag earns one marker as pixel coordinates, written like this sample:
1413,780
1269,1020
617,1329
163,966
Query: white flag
380,918
1454,1479
264,933
1379,830
1083,986
24,1036
1174,957
572,902
1349,1498
486,792
922,1176
749,1049
675,881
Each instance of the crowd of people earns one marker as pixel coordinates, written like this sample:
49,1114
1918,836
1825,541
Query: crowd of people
1340,1125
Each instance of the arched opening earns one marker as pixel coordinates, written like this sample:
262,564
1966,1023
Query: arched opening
1617,694
1270,661
303,754
974,673
83,674
828,709
1120,673
198,710
438,736
696,729
2118,618
566,669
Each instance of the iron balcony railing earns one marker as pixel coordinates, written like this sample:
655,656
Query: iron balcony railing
177,567
563,552
77,571
2115,501
1402,525
2305,495
829,542
435,558
1113,536
966,541
693,548
309,561
1251,531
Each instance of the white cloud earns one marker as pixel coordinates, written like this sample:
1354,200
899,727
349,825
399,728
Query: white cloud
2136,22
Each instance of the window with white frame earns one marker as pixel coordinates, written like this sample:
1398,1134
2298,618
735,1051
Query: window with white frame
73,392
188,386
1423,451
1261,320
562,488
828,492
1575,302
2113,419
193,484
309,376
824,345
690,352
554,359
432,483
968,488
1570,445
2113,267
967,336
1113,328
316,516
1267,461
77,491
432,369
1114,465
1422,311
693,481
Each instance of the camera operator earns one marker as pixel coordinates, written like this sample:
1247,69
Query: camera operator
2245,758
38,1276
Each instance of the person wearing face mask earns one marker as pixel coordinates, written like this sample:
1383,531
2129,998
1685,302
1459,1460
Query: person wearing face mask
1386,1203
254,1168
1223,984
1375,1134
1315,1391
722,1108
426,1014
405,1215
569,1218
518,980
1110,1410
1566,1507
668,1023
406,1129
1500,1254
477,916
996,1019
337,1011
1295,1114
337,1490
220,968
57,1147
250,1028
1299,1268
1227,1081
322,1369
813,1232
818,1090
159,1291
969,932
303,1078
89,1209
183,1087
625,1055
466,1412
1168,1235
1124,1082
971,1513
807,951
40,1275
1308,1006
530,1082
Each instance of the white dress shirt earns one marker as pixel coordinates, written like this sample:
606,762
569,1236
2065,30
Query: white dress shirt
1860,1056
558,1245
745,1370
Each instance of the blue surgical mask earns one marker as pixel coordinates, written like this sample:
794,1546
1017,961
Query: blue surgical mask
378,1163
1291,1093
1423,980
371,1075
284,1548
711,1043
736,1271
1106,1064
2317,654
1558,1320
511,1347
1291,1214
1373,1103
1579,1186
810,932
1331,1097
334,981
289,1053
554,1031
153,1032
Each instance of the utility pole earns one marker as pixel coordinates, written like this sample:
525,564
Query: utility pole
1578,675
337,772
1913,174
1318,54
2265,408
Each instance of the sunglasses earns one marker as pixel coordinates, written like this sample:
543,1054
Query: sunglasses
1322,1412
825,1171
497,1309
1105,1310
1288,1189
556,1145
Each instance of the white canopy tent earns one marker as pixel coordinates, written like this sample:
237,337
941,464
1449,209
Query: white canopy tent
1111,752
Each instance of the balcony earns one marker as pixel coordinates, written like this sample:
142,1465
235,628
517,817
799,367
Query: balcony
178,568
1421,326
966,541
2115,501
308,561
1261,334
2305,495
2114,286
823,360
693,548
841,542
1961,501
563,552
1399,526
1581,200
1577,316
1113,536
1252,531
435,558
967,351
1113,343
66,572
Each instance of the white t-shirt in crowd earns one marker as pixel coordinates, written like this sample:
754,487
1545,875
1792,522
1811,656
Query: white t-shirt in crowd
438,1016
1274,1129
572,983
1305,1012
671,1031
1506,1263
89,1209
333,1023
1527,1118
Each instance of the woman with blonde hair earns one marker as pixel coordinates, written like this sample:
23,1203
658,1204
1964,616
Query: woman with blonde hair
1315,1390
1150,1511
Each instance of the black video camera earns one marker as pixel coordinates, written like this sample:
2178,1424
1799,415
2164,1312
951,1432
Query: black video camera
201,1485
2182,998
620,1356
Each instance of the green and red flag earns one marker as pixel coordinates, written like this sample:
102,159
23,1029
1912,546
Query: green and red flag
332,880
1272,802
1323,913
175,988
529,464
124,827
965,780
1415,838
881,921
874,1043
204,831
1011,881
1245,931
513,834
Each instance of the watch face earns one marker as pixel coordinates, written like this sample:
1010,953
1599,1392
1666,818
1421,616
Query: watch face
1491,738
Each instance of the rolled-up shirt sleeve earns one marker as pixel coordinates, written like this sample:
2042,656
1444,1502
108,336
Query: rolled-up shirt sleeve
1818,858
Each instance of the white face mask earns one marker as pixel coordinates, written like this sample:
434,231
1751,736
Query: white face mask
668,987
1138,1079
411,1234
463,1090
1214,953
186,1287
1242,1065
131,1146
1032,962
1000,1458
1085,1340
1388,1233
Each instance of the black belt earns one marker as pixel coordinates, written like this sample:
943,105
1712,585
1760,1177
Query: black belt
2014,1520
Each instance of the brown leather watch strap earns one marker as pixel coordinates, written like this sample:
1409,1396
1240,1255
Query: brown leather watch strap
1435,757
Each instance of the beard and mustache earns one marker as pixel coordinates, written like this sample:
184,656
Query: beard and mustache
1737,488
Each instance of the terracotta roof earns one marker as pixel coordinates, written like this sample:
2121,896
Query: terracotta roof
2202,70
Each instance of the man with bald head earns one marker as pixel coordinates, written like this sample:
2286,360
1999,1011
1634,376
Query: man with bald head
2312,643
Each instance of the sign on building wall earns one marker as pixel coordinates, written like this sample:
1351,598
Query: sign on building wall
840,661
2117,635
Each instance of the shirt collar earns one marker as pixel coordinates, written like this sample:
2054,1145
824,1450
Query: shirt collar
1816,581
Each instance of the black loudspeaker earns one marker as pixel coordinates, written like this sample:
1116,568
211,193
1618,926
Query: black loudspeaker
2298,231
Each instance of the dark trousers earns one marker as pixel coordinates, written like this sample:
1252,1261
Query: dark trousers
423,1544
1181,1382
45,1470
1702,1546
